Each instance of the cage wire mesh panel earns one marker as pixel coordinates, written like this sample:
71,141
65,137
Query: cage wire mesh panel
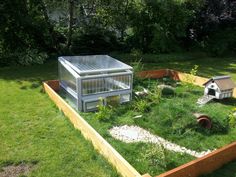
89,78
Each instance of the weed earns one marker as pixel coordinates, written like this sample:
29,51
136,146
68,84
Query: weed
155,155
142,106
190,79
104,112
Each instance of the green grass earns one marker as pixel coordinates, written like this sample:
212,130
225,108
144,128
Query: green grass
33,130
171,118
228,170
208,66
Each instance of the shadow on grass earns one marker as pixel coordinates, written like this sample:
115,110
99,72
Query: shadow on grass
34,75
227,101
228,170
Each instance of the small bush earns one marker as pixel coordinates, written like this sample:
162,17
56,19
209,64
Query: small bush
104,112
32,56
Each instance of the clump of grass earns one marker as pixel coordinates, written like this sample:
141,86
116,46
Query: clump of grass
141,105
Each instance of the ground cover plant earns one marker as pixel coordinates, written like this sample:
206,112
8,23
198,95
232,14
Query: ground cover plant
168,114
34,133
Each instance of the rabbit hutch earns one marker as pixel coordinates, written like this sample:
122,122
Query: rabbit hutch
219,87
89,80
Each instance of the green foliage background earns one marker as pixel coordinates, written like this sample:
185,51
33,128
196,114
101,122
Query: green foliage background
33,30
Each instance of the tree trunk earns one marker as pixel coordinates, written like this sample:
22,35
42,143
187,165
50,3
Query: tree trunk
70,25
50,26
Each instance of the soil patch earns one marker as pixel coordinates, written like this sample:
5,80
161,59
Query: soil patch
16,170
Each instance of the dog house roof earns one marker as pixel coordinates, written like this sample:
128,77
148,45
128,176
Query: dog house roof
223,82
92,64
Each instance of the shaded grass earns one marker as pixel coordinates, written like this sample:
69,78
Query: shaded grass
208,66
228,170
33,130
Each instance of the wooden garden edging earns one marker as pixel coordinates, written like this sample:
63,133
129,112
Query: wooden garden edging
205,164
176,75
121,165
197,167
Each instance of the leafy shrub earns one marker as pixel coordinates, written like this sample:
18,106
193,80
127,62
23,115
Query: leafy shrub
104,112
221,42
93,42
27,57
32,56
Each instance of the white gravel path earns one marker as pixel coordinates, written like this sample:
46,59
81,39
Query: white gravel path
132,134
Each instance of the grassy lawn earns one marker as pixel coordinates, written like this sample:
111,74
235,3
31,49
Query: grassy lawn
34,131
208,66
171,117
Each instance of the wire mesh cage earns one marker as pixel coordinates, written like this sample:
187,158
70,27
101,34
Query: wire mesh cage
87,79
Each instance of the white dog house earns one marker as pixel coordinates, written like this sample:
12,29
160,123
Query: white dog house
219,87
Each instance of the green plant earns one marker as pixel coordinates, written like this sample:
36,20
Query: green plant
190,78
232,119
141,105
137,67
155,94
155,155
32,56
104,112
136,54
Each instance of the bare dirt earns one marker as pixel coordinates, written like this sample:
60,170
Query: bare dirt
16,170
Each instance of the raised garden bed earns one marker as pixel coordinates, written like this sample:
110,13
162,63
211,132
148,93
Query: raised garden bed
171,117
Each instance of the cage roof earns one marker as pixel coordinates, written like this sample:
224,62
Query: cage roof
94,64
223,82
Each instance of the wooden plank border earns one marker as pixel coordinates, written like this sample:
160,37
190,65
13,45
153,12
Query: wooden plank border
99,143
205,164
176,75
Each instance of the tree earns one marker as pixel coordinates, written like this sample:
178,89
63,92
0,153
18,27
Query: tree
70,24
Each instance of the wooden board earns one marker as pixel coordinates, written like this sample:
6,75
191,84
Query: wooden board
121,165
176,75
206,164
